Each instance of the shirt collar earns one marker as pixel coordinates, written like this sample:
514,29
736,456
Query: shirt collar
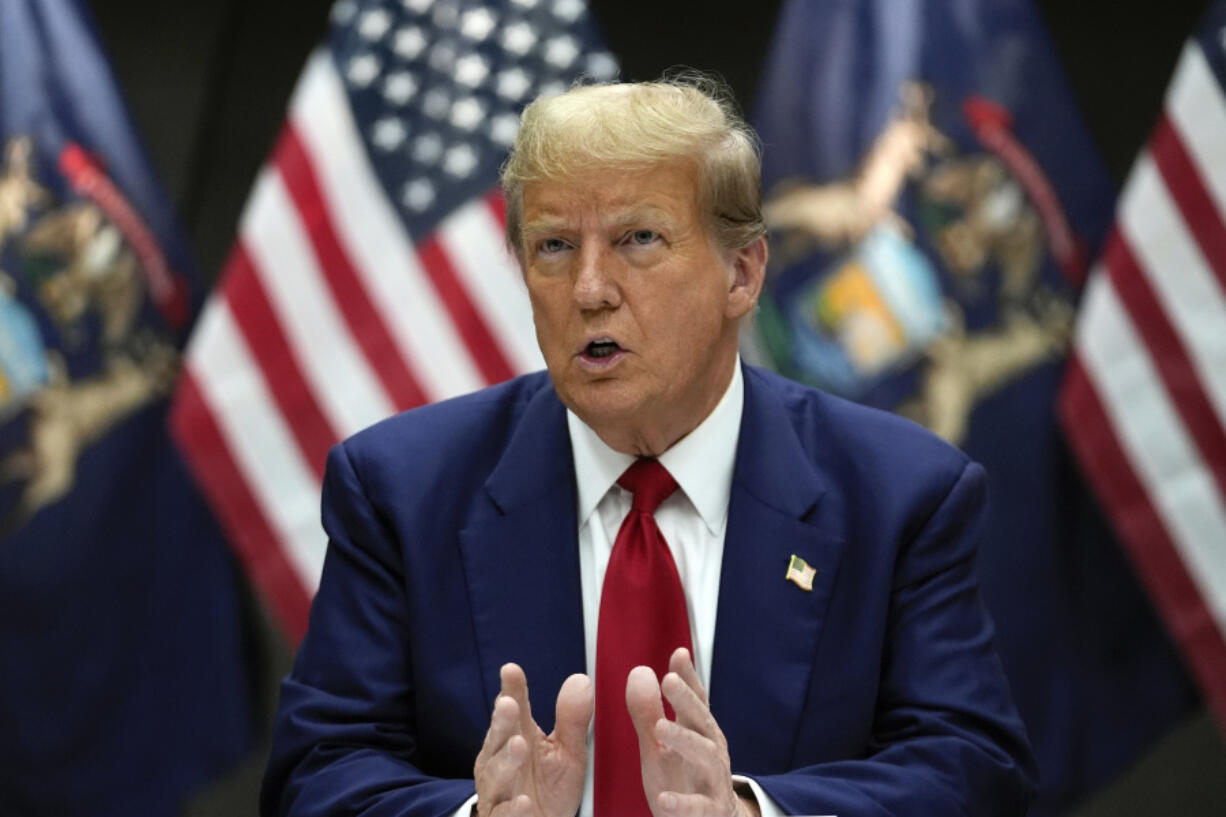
701,461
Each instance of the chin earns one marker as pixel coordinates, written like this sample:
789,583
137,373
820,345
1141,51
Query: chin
602,402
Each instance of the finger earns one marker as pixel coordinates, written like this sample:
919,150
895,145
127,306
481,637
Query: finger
681,663
702,754
515,686
496,775
576,701
692,711
504,722
644,702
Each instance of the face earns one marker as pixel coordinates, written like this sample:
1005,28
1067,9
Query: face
635,307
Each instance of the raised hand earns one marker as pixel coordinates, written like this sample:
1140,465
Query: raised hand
522,772
686,768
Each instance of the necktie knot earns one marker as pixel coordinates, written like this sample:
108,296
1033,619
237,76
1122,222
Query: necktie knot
649,482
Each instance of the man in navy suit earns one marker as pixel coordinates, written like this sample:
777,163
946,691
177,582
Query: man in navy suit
825,551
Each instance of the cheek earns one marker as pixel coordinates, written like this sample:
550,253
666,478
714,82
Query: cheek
548,304
703,307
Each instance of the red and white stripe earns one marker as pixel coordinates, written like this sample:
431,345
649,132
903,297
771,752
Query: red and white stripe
328,318
1145,401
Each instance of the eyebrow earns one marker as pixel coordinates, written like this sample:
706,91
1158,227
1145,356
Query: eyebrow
534,229
635,215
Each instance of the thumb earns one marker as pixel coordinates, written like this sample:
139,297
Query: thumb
644,702
574,712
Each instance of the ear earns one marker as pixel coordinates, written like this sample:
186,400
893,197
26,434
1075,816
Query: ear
748,275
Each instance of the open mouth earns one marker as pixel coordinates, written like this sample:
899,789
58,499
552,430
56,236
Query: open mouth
600,355
601,348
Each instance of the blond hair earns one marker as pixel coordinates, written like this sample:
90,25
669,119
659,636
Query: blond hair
638,126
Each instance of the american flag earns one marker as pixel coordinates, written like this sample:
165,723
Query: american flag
370,274
1144,404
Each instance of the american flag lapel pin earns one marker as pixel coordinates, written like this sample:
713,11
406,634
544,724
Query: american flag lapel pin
800,573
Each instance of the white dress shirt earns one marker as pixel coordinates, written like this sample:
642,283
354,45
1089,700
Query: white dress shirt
692,520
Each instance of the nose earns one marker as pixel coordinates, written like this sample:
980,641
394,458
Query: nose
596,286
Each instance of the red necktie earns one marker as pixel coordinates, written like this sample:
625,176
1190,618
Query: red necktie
642,620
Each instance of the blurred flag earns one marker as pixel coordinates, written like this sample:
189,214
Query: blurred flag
369,274
933,199
123,684
1144,403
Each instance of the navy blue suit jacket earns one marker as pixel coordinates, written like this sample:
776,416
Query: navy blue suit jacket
453,550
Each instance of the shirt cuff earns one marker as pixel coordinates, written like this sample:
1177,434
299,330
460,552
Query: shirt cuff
766,805
466,808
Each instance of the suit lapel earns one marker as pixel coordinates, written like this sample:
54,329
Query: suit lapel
767,628
522,562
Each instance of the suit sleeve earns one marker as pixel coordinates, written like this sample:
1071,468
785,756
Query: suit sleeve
946,740
344,741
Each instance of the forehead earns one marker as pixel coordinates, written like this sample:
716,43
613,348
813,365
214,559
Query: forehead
668,189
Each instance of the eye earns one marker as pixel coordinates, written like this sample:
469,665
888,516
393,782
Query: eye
643,238
548,246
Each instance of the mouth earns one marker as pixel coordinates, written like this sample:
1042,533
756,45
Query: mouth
601,348
600,354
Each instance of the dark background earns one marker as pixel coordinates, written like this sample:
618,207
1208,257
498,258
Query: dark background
208,83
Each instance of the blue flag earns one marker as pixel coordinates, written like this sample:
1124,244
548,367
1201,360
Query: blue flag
934,200
122,684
